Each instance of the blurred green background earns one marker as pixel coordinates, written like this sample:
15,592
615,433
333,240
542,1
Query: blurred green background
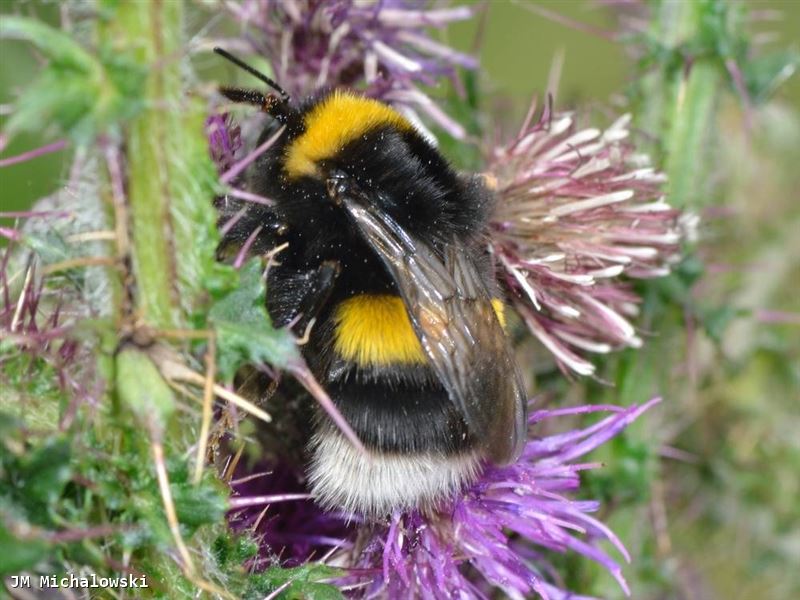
705,489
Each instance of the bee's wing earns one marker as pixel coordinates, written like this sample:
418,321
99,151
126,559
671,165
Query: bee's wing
452,314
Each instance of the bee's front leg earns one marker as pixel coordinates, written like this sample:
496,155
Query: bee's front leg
297,299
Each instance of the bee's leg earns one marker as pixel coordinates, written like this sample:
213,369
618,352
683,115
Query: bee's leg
300,297
319,290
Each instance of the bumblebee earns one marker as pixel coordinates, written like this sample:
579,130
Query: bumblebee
386,251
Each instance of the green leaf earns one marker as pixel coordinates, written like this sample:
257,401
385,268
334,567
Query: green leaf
49,245
244,330
304,583
232,549
75,91
715,320
199,505
192,180
35,478
57,46
628,475
9,426
45,472
142,388
18,555
765,74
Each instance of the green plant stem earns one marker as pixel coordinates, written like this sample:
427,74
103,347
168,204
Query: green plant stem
691,122
153,30
686,99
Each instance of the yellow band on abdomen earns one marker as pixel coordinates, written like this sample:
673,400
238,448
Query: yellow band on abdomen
374,329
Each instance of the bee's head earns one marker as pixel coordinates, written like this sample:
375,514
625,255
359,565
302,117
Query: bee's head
376,147
378,151
277,106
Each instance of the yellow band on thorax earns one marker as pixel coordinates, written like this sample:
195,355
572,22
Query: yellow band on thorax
374,329
329,126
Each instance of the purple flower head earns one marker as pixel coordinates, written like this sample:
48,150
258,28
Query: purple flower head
277,510
489,537
578,209
38,314
224,140
382,47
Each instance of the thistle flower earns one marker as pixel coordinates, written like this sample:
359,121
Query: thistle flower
275,507
37,322
576,210
491,536
224,140
380,46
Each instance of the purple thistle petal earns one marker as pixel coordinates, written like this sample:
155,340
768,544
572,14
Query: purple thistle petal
238,167
249,197
224,140
31,154
38,319
241,256
520,498
27,214
11,234
231,222
246,501
576,212
290,525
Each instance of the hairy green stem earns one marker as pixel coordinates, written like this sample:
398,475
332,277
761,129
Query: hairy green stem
153,31
693,110
685,97
150,33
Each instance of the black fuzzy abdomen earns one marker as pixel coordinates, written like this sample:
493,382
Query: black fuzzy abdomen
403,418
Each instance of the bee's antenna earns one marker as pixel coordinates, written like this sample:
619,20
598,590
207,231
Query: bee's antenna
240,63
